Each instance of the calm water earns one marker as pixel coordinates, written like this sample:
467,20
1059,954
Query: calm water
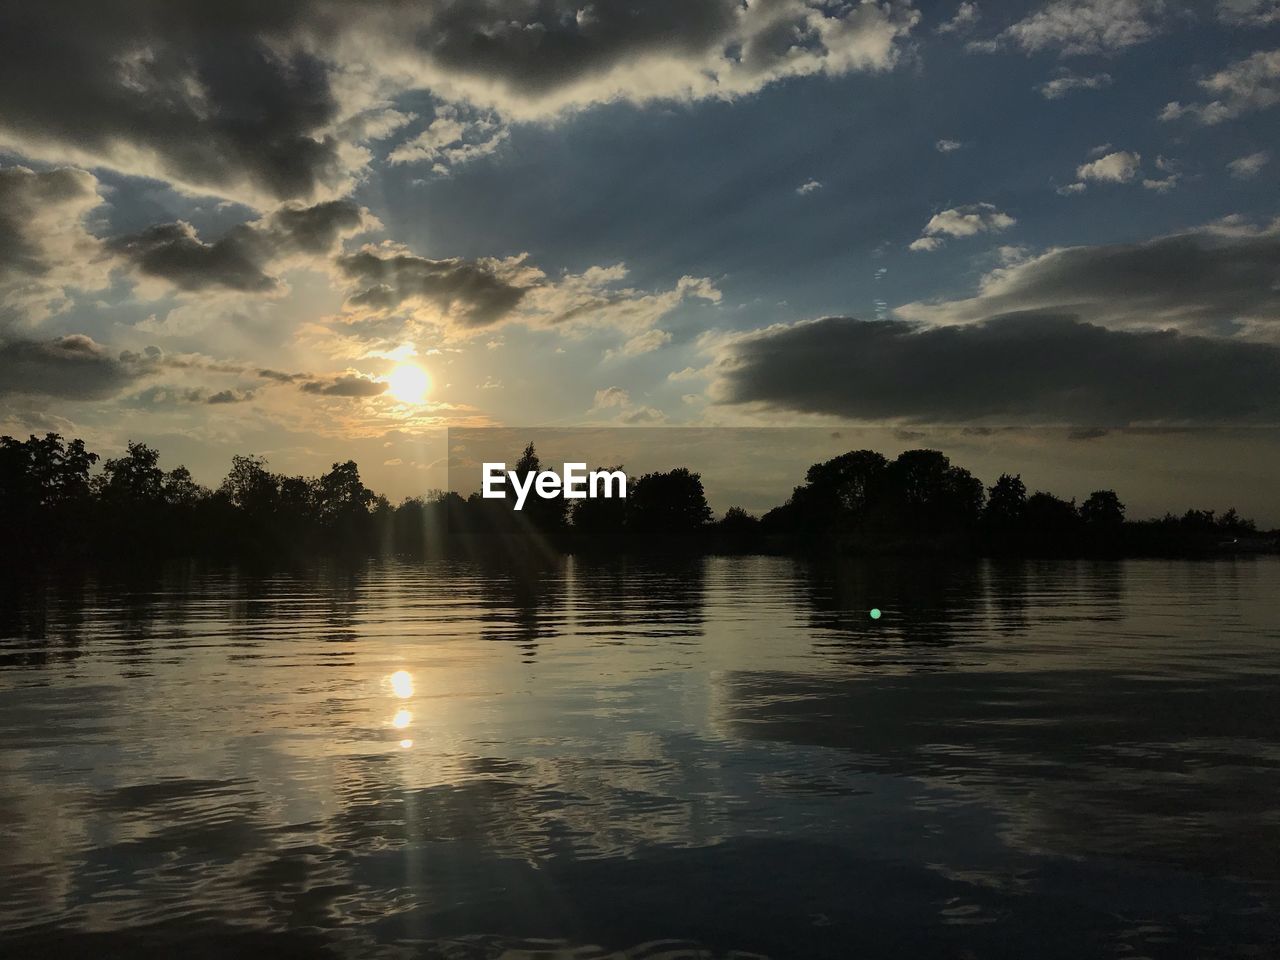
721,758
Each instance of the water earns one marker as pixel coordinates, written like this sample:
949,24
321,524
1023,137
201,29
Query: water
714,758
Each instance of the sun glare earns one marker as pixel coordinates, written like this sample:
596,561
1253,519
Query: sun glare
408,383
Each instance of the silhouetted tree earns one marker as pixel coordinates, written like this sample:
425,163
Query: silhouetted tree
738,531
249,486
1052,525
601,522
668,504
1005,513
51,504
547,514
134,479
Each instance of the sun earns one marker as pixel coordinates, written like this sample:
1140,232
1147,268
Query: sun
408,383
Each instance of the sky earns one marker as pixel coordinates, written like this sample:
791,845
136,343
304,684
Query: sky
1043,237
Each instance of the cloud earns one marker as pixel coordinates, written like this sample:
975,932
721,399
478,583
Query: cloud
1164,184
73,367
1068,189
688,373
1083,27
1245,86
45,249
229,396
966,221
472,293
283,99
456,136
611,397
642,415
809,186
1248,167
278,376
948,146
1221,278
1118,167
1249,13
1025,368
240,258
534,61
172,251
597,299
645,342
1064,82
145,89
345,385
967,14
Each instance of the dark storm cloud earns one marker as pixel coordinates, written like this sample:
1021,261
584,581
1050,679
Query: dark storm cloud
315,229
1213,279
173,252
73,367
1028,367
346,385
469,290
543,46
239,259
205,95
266,101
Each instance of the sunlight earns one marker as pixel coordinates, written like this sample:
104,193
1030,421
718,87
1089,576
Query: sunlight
402,719
408,383
402,684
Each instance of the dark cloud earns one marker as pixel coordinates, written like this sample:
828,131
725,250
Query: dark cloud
208,97
229,396
1087,433
278,375
612,48
1027,367
173,252
470,291
539,48
240,258
346,385
73,367
315,229
266,101
1214,279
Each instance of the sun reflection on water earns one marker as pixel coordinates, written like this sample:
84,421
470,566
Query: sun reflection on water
402,684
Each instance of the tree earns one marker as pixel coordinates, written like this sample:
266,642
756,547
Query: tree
601,521
850,481
668,504
547,514
43,473
1006,501
1052,525
1102,510
340,494
249,486
135,478
181,490
931,494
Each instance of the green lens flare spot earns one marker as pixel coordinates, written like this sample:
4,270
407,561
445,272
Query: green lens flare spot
875,613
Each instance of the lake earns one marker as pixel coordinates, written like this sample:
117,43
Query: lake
721,757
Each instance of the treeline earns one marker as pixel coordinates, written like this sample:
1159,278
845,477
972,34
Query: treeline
58,501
